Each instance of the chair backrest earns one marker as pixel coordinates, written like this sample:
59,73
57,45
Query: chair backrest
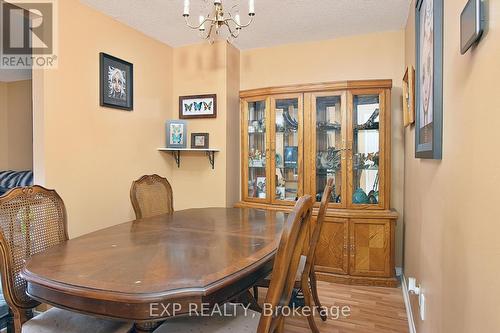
151,195
316,229
32,219
286,263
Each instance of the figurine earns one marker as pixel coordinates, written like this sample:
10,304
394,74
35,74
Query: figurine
370,123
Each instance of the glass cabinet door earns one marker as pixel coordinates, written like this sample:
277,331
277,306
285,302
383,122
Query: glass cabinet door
286,148
366,163
328,122
255,150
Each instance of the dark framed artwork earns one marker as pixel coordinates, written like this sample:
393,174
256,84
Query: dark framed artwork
176,134
199,140
429,79
116,82
198,106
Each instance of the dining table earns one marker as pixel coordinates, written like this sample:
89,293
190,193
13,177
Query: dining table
147,270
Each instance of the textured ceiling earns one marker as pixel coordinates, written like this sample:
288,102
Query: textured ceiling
277,21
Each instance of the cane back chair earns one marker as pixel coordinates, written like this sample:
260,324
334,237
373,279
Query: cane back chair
151,195
33,219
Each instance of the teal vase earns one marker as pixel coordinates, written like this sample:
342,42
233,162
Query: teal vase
360,197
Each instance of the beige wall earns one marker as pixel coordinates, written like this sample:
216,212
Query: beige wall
88,153
16,126
233,133
373,56
20,124
451,236
208,69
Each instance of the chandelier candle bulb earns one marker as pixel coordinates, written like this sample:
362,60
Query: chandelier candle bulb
237,20
217,2
186,7
251,7
202,24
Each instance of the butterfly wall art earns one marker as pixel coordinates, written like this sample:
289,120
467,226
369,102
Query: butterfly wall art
199,106
176,134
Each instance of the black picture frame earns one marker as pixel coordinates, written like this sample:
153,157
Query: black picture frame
108,96
429,134
207,104
205,141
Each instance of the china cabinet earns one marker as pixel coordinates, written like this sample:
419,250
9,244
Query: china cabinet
294,138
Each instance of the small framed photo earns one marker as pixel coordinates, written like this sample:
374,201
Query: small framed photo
199,106
116,82
261,187
176,134
199,140
409,97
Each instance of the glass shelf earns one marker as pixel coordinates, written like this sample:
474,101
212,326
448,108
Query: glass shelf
366,149
286,136
328,145
256,131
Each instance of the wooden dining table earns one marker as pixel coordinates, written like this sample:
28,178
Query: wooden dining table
136,270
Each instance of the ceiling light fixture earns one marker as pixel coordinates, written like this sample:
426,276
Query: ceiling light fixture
217,18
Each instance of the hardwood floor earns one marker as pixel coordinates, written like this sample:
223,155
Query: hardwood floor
373,310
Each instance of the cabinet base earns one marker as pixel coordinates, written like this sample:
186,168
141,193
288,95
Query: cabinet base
358,280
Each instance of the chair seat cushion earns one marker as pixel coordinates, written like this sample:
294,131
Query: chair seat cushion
57,320
234,319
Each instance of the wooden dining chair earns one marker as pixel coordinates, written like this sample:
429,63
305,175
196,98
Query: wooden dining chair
306,271
286,265
151,195
33,219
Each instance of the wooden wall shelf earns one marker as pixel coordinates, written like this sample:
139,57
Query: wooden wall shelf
176,153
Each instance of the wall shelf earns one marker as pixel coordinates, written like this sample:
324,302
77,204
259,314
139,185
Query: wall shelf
176,153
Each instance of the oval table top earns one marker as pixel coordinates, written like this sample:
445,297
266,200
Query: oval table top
194,255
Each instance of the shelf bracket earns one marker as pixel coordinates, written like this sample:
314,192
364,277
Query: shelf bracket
177,155
211,158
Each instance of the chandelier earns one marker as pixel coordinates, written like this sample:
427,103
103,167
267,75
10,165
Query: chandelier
210,25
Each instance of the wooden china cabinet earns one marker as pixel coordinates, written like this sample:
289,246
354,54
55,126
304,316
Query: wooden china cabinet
294,138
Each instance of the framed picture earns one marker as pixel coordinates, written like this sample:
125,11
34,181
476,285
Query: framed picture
199,140
291,156
199,106
409,97
429,79
261,187
176,134
116,82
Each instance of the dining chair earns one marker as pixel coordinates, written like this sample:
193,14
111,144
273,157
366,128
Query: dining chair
286,265
33,219
306,268
151,195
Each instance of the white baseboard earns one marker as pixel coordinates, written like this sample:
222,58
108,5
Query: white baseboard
406,297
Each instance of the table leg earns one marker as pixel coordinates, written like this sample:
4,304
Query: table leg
145,327
247,298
